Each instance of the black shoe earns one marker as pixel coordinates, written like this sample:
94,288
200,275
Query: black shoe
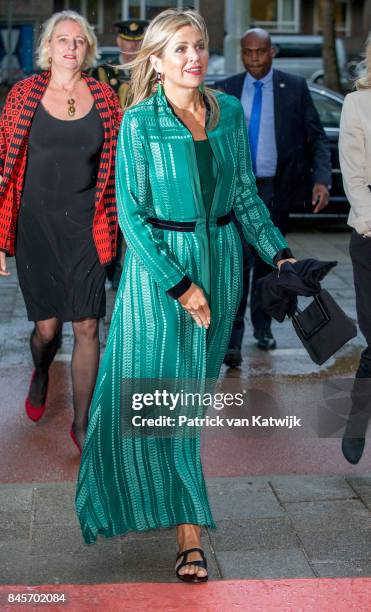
183,556
233,358
353,449
265,340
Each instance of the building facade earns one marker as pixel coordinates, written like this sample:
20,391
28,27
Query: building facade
25,17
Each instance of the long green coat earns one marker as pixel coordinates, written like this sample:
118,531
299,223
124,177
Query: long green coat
142,482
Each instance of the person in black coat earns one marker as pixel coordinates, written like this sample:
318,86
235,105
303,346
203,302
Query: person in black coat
287,141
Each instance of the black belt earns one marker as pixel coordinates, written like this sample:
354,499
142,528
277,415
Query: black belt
185,226
264,180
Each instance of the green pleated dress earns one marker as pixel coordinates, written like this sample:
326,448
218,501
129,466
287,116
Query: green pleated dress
139,482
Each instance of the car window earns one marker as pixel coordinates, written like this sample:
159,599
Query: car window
107,57
329,110
296,49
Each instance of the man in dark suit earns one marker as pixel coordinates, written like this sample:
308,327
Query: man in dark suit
286,142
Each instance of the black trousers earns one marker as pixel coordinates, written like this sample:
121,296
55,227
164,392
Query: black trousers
253,264
360,253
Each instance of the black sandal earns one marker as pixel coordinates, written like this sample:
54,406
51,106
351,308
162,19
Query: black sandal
200,563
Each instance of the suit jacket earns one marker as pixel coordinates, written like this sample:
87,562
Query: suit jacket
355,158
301,141
15,124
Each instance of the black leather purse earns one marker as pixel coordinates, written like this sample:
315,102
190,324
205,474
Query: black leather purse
323,327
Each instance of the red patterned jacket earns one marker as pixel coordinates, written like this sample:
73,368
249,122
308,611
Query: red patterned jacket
15,123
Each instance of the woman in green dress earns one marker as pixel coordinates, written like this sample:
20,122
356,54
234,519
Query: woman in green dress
183,164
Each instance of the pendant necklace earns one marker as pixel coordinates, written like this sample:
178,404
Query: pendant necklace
71,108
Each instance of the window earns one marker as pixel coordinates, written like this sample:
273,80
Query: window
276,15
329,110
342,17
91,9
147,9
154,7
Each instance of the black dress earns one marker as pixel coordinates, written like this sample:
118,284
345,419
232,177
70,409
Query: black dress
58,267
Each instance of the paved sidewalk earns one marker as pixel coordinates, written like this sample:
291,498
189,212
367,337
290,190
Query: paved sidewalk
286,507
277,527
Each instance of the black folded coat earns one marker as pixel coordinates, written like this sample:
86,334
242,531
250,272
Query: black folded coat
277,292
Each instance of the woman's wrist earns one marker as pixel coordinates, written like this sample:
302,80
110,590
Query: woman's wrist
180,288
283,254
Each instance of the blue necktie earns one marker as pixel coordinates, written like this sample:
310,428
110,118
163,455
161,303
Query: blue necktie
254,124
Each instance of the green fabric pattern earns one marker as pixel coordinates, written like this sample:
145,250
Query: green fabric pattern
134,483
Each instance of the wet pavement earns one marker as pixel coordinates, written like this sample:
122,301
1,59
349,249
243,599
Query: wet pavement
286,502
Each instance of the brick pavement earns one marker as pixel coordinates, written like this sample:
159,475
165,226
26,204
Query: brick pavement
291,522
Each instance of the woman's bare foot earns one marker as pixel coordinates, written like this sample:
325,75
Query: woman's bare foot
189,536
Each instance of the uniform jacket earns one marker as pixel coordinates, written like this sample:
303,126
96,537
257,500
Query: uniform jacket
118,78
15,123
301,141
355,158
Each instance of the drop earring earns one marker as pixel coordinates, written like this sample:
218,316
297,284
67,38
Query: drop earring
159,82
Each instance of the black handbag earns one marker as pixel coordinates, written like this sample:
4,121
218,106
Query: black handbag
323,327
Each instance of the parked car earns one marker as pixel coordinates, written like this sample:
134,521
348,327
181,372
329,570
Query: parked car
329,104
107,54
302,55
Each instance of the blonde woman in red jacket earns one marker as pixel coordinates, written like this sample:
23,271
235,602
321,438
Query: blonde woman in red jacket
58,133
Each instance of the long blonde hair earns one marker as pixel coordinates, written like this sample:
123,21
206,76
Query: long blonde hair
364,80
47,33
159,32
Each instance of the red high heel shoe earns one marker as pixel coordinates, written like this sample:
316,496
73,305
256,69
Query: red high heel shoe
75,441
34,412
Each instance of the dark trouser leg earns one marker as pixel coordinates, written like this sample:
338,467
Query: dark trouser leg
238,328
259,319
355,431
360,252
251,259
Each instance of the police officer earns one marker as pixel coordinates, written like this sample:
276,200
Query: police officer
130,34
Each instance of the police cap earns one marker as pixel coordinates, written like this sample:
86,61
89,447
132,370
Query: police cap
131,29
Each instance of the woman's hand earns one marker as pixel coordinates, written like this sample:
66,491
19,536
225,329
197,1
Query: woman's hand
195,303
3,271
282,261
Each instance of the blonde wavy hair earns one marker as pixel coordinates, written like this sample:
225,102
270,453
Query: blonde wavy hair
364,67
158,34
42,54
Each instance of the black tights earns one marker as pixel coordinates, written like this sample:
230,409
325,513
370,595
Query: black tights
45,341
84,369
